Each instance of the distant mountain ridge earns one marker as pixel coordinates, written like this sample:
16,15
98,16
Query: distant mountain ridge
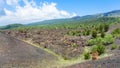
115,13
101,17
10,26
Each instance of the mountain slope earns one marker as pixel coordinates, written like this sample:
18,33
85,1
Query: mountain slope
15,53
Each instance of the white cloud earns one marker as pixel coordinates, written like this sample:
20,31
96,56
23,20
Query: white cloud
30,12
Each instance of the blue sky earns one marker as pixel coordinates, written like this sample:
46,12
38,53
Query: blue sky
85,7
27,11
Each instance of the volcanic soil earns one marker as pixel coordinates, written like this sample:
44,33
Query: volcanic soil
15,53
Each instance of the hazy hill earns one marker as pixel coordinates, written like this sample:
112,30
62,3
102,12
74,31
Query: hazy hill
96,18
115,13
10,26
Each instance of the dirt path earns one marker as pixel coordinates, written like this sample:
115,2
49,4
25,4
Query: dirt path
15,53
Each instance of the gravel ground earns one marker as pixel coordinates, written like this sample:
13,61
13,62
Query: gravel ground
17,54
109,62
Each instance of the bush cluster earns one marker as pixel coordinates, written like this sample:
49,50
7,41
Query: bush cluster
103,27
108,39
74,33
116,33
99,48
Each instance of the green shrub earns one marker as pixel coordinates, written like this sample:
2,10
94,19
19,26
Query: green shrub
116,33
74,33
94,34
84,33
114,47
87,55
101,28
71,33
65,58
91,42
74,45
106,27
95,41
88,32
102,34
108,39
99,48
99,40
94,48
78,34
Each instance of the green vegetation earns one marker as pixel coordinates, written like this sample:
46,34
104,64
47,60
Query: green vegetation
114,46
106,27
88,32
11,26
74,33
87,55
103,27
100,24
95,41
94,48
94,34
116,33
108,39
74,45
99,48
102,34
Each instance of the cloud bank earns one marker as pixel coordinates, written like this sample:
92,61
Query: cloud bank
31,12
